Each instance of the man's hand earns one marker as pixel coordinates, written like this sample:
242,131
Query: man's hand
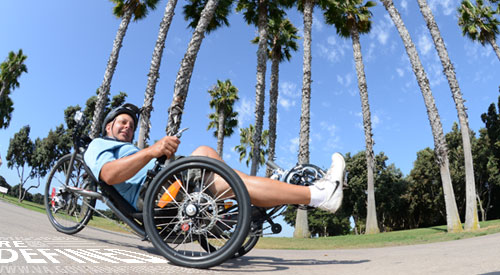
167,146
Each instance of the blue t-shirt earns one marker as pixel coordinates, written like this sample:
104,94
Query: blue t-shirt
102,151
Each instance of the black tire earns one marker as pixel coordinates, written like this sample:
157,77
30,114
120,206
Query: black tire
183,224
69,212
248,245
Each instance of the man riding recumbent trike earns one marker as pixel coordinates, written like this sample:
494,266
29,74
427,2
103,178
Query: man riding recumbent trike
196,210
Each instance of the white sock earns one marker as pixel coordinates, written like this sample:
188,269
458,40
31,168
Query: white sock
317,196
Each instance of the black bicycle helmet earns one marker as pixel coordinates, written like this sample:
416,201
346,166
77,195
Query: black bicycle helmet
126,108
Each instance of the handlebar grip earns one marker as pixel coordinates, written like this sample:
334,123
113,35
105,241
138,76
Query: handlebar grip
273,165
162,159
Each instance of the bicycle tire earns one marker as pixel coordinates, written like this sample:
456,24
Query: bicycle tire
194,216
67,211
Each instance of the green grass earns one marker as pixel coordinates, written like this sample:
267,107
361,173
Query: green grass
396,238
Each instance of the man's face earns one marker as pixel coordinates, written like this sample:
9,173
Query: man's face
122,128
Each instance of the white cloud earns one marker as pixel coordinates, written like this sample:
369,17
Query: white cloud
332,141
448,7
404,5
424,43
346,80
329,128
380,30
288,94
375,120
400,72
317,24
286,103
245,111
294,145
334,49
288,89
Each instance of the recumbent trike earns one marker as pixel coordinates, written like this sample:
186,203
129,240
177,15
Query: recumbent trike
185,221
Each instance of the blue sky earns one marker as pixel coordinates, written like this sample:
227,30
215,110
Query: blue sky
68,44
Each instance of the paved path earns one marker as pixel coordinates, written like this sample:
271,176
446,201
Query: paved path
29,244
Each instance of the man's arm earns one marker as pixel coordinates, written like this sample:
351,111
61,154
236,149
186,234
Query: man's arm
120,170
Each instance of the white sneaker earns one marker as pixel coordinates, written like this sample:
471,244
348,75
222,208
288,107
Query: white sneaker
332,183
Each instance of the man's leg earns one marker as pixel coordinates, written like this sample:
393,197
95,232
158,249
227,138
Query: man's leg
263,192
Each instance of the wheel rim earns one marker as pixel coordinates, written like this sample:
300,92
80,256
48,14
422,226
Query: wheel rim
197,226
68,211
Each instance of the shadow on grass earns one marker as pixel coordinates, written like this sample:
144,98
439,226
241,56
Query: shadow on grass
440,229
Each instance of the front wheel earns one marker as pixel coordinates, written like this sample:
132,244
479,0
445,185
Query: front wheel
69,212
193,204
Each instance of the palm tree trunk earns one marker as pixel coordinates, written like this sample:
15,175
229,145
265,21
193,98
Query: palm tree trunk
273,108
452,217
301,222
495,46
371,218
153,75
3,89
103,95
471,217
306,85
183,79
220,132
260,87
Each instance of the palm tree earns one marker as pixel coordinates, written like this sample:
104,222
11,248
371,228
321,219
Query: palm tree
351,18
224,95
125,9
281,39
204,22
260,19
471,217
247,142
478,22
153,75
307,7
10,70
441,151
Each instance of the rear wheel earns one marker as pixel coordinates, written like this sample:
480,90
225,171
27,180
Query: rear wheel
69,212
190,221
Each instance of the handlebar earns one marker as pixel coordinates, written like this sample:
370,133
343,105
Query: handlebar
273,165
163,159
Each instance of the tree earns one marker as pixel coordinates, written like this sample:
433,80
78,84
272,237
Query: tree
224,95
10,70
281,40
153,75
352,18
125,9
19,155
452,217
247,143
47,151
488,157
307,8
205,21
257,13
478,23
471,217
321,223
425,193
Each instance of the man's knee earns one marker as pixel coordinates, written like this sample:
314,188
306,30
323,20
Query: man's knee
203,151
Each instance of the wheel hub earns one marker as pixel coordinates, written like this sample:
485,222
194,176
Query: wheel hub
191,210
200,211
